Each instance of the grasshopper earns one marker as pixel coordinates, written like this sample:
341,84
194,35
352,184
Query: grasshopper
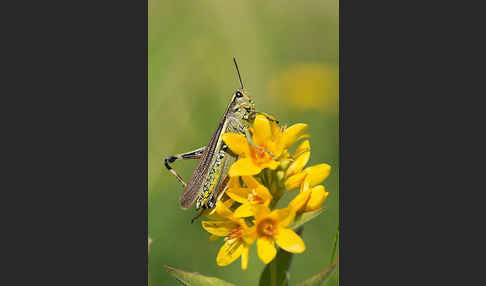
209,180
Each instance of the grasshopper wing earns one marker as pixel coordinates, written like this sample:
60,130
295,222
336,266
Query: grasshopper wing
200,173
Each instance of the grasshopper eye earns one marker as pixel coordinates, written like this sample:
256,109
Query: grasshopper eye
239,94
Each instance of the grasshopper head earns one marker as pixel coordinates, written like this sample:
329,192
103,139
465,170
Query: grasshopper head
243,104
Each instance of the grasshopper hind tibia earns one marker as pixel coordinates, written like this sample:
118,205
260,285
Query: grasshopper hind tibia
198,215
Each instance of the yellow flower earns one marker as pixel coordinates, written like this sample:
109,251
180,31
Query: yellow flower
222,209
268,147
309,198
302,155
254,193
293,134
238,237
315,175
271,228
267,136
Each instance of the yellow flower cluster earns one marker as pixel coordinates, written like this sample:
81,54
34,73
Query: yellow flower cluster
264,170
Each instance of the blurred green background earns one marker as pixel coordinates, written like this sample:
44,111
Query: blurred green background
287,52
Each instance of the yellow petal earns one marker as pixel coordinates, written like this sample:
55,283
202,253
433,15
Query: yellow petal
223,209
305,185
303,152
219,228
272,165
303,147
318,173
213,237
264,193
277,148
300,200
237,143
286,154
283,216
266,249
293,182
292,134
263,132
234,182
303,136
249,234
289,241
244,257
317,197
244,167
245,210
250,181
229,252
260,211
276,131
239,194
228,202
271,118
213,215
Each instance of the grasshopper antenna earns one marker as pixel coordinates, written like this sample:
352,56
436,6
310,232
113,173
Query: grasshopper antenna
239,76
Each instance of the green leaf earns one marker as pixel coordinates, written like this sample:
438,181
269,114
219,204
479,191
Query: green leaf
195,279
305,217
321,277
276,273
334,248
336,240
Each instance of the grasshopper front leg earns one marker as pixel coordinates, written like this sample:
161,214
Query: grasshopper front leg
250,141
196,154
269,117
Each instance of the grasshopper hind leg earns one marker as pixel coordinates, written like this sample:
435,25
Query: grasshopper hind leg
198,215
196,154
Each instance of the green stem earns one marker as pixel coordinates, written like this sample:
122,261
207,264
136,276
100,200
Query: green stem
273,187
273,273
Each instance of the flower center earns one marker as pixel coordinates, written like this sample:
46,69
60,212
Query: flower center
260,155
234,234
254,198
267,227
